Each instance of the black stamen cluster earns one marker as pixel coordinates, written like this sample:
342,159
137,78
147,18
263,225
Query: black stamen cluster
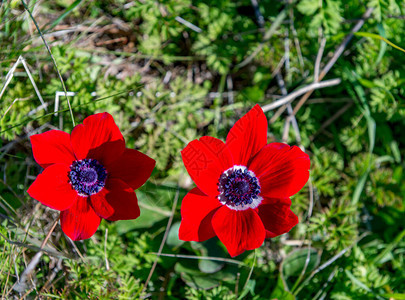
238,187
87,176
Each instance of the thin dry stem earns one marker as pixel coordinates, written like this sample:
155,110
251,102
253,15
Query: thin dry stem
287,99
53,59
169,223
318,59
21,284
226,260
336,55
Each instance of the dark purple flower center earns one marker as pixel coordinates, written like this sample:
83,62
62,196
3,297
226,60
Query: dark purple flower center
87,176
238,187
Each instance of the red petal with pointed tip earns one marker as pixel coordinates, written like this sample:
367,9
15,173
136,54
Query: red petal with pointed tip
197,210
52,188
80,221
282,170
116,201
52,147
99,138
133,167
238,230
277,216
205,160
247,136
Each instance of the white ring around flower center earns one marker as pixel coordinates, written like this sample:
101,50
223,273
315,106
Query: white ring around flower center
255,201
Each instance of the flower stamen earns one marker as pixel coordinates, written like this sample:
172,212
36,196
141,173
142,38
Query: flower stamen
87,176
239,188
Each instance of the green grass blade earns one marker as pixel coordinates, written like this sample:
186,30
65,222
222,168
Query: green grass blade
389,247
53,60
379,37
383,46
65,13
66,109
395,296
360,94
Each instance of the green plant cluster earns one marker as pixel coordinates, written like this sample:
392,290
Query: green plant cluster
167,82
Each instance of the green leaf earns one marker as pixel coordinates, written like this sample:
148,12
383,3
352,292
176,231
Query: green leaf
280,291
359,187
249,288
380,257
210,248
199,282
190,274
296,260
376,36
254,93
147,219
357,282
151,200
395,296
65,13
383,46
308,7
367,83
395,151
173,236
380,8
371,126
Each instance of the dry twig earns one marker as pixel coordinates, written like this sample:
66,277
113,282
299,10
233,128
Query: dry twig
336,55
287,99
169,223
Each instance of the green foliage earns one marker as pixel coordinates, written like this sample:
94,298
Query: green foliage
327,166
18,102
220,292
167,82
324,14
335,227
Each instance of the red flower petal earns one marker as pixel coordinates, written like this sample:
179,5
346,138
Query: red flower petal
238,230
80,221
52,188
205,160
116,201
52,147
277,216
99,138
133,167
247,136
197,210
282,170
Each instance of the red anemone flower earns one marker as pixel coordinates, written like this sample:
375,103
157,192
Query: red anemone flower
243,186
88,175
